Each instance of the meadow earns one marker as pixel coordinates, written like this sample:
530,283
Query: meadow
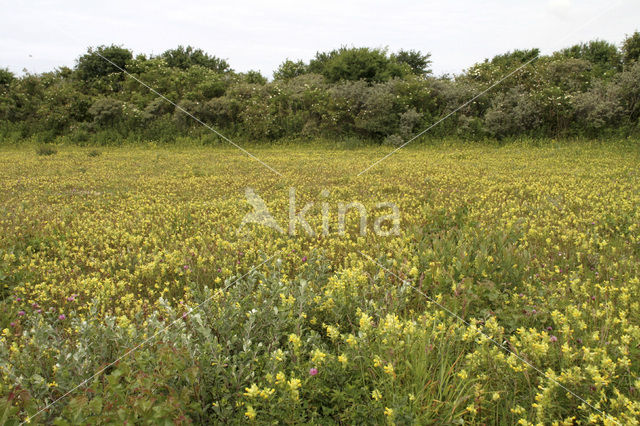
510,293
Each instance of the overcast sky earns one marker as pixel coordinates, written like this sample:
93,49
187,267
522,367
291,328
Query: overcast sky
42,35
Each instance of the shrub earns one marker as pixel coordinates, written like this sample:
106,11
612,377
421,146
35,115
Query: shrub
417,62
394,140
290,69
604,56
629,92
599,108
186,57
6,77
512,113
631,49
106,111
93,64
356,63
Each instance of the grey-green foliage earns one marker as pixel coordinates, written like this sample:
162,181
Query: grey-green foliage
106,111
512,113
629,92
599,107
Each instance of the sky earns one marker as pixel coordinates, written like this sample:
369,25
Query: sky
39,36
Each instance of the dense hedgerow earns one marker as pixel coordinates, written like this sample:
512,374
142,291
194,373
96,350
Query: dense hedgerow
588,90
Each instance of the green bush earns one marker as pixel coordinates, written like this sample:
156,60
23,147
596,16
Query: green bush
102,61
187,57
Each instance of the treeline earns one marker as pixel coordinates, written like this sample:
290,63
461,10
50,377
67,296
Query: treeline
587,90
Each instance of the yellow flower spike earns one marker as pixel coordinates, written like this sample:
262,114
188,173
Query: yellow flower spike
250,413
342,359
252,392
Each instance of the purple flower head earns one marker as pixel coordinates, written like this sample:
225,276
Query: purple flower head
13,324
553,339
313,371
304,258
549,328
21,313
62,317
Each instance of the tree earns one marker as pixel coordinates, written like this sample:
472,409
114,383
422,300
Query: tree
490,71
631,48
290,69
515,58
418,62
254,77
102,61
6,77
603,55
186,57
356,63
569,74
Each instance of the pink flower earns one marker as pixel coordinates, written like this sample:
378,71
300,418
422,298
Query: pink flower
313,371
304,258
21,313
553,338
62,317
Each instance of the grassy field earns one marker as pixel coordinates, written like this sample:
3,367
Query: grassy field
511,291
